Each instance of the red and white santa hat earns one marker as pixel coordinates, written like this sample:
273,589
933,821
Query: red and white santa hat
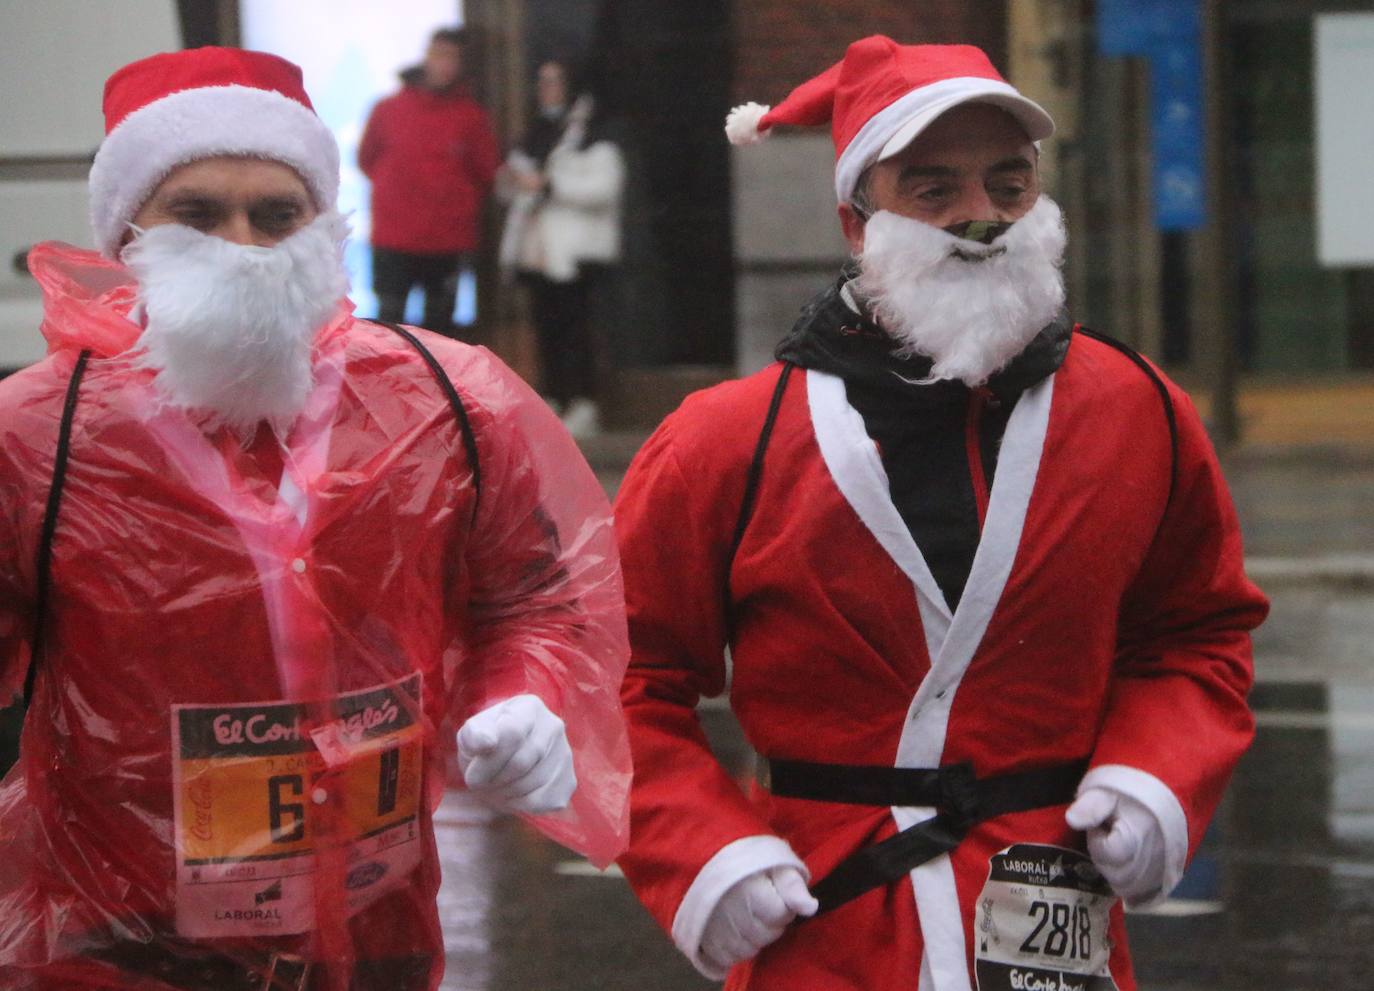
881,95
167,110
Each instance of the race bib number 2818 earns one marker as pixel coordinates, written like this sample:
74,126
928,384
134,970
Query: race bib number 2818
1041,922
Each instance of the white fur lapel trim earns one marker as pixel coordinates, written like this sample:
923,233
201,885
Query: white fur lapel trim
927,724
853,462
1018,465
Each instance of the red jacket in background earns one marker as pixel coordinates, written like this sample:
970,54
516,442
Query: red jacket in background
431,158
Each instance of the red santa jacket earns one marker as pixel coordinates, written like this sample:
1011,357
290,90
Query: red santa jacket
431,158
247,691
1103,618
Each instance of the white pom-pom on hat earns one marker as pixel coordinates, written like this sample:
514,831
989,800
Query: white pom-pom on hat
742,124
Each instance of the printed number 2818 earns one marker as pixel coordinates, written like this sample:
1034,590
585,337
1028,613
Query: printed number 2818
1069,934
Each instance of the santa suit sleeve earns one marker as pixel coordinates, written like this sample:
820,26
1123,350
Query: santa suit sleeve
544,602
1177,720
694,832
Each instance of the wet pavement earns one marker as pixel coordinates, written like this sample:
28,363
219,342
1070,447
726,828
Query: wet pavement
1281,895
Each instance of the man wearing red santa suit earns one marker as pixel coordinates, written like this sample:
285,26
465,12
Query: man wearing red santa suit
258,561
978,574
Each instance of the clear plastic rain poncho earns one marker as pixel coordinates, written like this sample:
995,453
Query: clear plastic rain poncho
247,691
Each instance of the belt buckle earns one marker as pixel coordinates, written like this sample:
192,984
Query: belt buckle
286,972
959,793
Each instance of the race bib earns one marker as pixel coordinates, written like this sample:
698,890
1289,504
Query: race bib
1041,922
250,785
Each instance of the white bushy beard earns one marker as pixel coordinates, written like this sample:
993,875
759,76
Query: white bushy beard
230,326
970,314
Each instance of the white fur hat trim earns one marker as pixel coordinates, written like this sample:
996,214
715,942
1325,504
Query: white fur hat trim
202,123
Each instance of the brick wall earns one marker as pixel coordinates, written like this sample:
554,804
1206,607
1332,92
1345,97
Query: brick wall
780,43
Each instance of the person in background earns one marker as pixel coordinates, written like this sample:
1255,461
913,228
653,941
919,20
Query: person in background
564,180
978,572
431,155
269,571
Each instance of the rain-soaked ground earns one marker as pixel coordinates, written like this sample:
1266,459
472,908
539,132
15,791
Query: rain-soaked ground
1280,897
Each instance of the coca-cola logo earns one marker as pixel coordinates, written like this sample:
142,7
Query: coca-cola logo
202,809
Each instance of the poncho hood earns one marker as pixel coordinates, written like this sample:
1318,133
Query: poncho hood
86,299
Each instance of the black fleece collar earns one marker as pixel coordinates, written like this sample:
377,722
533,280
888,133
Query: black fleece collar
830,337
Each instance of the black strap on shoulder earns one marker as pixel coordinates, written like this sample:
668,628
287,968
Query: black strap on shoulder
1163,390
454,400
43,570
755,476
960,798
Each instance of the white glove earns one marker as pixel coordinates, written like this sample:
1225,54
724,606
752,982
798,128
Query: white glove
515,756
752,914
1125,841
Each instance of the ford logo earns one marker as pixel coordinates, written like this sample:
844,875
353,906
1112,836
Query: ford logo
364,874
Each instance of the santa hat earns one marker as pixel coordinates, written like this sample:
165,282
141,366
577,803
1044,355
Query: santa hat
881,95
167,110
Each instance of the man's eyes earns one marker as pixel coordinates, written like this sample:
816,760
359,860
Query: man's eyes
943,193
1003,192
934,194
200,218
276,218
272,219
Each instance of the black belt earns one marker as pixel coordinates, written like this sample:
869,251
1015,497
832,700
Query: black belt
961,799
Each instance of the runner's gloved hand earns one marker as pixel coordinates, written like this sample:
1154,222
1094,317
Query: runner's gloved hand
1125,841
515,756
753,913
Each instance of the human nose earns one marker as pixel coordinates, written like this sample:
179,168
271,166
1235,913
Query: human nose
237,228
975,204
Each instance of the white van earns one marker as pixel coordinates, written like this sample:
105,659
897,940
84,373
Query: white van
54,59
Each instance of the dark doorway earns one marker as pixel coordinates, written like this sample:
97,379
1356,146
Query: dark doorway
664,71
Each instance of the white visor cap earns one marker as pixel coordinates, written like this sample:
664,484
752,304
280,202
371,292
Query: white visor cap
1030,115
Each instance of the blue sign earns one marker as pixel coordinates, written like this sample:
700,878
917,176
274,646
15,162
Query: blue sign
1169,34
1124,27
1178,135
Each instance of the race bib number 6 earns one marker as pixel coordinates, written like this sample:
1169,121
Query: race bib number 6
1041,922
248,779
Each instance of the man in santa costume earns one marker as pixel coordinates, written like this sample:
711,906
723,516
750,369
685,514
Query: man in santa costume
259,561
978,574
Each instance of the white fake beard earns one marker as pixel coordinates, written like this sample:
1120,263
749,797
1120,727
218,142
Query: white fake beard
230,326
971,314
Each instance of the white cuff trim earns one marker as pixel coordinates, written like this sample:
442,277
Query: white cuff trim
1155,795
731,864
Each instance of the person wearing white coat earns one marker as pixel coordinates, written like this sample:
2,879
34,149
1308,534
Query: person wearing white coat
564,181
